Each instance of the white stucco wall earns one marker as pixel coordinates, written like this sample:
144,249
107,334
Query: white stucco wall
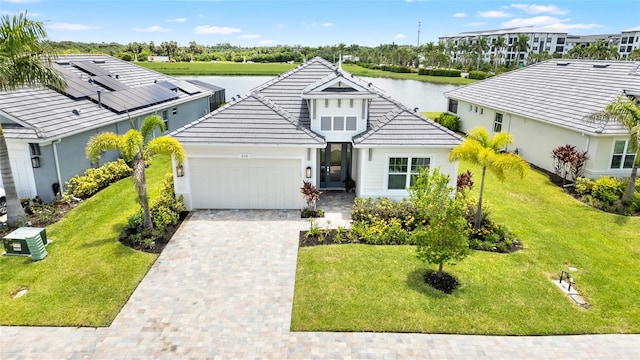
535,140
372,170
318,110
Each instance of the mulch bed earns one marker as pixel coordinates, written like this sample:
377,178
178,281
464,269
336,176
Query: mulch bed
161,243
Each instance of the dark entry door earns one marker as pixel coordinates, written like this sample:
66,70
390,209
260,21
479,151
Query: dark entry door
335,165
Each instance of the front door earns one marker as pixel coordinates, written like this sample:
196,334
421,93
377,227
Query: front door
335,165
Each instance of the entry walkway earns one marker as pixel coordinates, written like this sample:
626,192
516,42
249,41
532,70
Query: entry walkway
223,289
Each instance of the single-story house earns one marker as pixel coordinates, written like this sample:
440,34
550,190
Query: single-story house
47,131
545,106
315,123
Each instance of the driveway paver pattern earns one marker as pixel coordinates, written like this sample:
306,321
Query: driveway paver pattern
223,289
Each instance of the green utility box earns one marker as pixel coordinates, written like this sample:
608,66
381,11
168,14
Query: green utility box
26,241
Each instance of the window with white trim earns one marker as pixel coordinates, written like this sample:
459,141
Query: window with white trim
497,123
338,123
403,170
623,155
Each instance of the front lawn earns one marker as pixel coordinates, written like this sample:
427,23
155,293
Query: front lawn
89,275
381,288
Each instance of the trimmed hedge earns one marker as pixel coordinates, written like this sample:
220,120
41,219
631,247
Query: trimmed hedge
440,72
96,179
478,75
450,121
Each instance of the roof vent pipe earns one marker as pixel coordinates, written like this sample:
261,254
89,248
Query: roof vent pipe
99,98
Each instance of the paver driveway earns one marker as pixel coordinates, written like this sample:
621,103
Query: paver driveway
223,288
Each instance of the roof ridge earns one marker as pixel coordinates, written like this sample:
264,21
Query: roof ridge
285,75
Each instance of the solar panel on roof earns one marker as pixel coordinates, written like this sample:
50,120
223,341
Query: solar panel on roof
135,98
185,86
109,82
167,84
76,87
91,68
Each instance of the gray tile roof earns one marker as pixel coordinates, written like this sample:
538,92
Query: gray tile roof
403,127
252,120
561,92
45,114
286,90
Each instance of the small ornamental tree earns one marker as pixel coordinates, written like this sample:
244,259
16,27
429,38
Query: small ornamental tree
445,237
567,160
311,195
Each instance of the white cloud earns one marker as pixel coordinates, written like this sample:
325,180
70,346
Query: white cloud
72,27
177,20
400,36
548,22
154,28
493,14
215,30
474,24
327,24
266,42
249,36
459,15
539,9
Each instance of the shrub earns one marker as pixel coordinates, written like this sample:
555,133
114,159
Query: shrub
367,211
464,183
165,211
608,189
450,121
478,75
584,186
311,195
96,179
440,72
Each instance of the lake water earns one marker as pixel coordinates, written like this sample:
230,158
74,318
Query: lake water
412,93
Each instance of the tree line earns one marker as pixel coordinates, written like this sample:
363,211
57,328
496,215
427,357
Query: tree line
465,55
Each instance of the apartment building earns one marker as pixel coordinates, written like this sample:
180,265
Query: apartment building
629,41
540,40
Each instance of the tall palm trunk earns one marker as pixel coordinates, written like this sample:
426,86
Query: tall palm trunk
15,212
478,221
140,183
627,197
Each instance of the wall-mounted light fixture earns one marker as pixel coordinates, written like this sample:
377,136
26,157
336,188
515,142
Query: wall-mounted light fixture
308,172
180,171
35,162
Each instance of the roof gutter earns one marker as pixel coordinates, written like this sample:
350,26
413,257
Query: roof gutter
57,162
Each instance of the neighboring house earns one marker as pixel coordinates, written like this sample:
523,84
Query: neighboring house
315,123
544,106
156,58
47,131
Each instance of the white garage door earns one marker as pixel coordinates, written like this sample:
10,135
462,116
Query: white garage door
245,183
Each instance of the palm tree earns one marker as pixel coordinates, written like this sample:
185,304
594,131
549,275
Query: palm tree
480,47
626,112
450,49
499,44
135,147
487,152
521,44
600,50
24,61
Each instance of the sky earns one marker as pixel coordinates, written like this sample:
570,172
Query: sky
313,22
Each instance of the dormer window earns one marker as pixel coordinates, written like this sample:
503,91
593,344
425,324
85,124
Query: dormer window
338,123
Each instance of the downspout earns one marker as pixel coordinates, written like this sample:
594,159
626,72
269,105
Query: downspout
57,162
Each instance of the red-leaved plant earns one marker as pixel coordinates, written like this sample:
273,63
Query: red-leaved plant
311,195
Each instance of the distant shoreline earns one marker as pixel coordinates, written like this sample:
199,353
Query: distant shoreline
273,69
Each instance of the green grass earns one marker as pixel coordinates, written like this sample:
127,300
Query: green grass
272,69
360,71
380,288
220,68
431,114
88,275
